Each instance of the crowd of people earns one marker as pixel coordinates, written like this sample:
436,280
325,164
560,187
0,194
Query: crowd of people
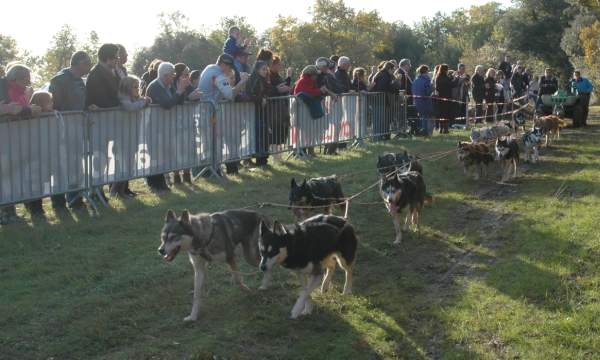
440,97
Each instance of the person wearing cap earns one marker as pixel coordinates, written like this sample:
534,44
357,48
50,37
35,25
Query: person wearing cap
582,87
326,80
214,81
231,46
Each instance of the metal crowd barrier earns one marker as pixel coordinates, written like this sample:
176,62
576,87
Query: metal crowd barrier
42,156
128,145
76,151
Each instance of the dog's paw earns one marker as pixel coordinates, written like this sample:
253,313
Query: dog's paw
308,308
190,318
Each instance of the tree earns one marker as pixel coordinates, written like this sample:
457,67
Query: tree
8,49
176,42
91,45
59,53
404,43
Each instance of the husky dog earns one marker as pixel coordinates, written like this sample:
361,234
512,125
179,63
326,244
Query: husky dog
321,192
532,140
550,126
487,134
474,155
507,151
210,236
399,191
389,162
309,247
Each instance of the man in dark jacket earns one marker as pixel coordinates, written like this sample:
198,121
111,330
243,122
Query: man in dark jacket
341,75
161,92
327,80
68,94
517,82
506,67
478,91
102,86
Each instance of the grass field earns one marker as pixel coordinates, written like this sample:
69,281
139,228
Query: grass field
499,272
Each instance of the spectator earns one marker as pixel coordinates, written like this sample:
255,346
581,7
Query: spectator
195,79
121,70
490,94
191,93
499,94
231,46
359,83
43,99
548,83
10,109
68,94
19,85
506,67
215,85
383,82
582,87
504,100
478,91
341,75
517,82
327,80
256,89
422,90
279,114
102,86
307,90
444,84
404,79
162,93
150,75
333,63
130,99
460,92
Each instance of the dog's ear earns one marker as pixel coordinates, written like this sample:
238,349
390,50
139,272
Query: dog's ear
278,228
185,217
293,183
170,216
264,229
303,183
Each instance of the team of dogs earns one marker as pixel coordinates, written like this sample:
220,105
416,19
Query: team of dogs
317,243
499,142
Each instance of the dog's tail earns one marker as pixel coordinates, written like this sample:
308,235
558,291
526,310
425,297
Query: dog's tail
428,199
348,242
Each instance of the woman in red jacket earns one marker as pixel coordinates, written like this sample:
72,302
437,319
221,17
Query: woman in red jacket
307,90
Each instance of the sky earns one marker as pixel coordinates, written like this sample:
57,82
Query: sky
135,23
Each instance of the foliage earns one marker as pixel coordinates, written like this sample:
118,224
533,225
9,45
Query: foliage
8,49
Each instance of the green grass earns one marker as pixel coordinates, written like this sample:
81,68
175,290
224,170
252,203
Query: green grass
498,272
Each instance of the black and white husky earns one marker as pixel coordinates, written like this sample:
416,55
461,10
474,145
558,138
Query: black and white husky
532,140
507,152
312,247
208,237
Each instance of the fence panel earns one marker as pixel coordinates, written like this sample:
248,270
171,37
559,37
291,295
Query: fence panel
236,131
42,156
127,145
278,120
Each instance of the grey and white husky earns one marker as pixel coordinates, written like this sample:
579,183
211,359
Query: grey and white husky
208,237
532,140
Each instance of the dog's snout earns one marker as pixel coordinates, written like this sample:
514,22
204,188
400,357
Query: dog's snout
161,251
263,267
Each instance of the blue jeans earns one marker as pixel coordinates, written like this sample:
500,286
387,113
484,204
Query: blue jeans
314,104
